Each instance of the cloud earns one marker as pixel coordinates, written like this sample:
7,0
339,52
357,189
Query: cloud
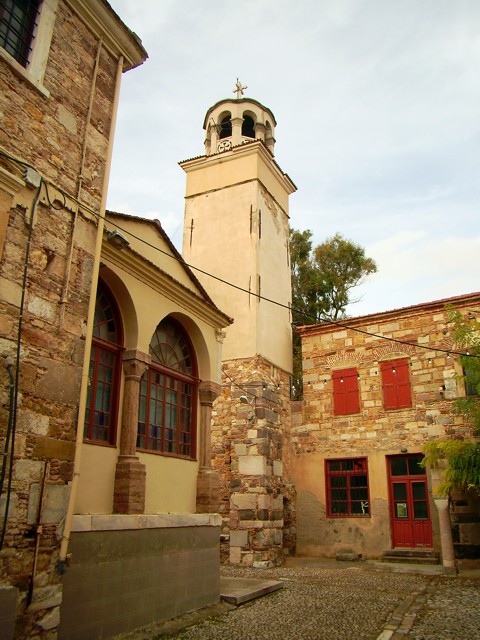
377,110
412,268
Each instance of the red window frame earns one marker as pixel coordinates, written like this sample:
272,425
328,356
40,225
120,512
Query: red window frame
397,393
105,371
346,396
346,481
167,422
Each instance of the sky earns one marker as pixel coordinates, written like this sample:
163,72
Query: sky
378,125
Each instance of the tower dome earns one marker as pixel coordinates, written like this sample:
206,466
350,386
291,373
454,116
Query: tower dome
235,121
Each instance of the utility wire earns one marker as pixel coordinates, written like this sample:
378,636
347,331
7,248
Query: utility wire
306,315
318,320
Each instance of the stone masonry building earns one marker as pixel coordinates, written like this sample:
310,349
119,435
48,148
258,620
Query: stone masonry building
61,64
376,389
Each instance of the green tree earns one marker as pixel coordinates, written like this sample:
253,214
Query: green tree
322,280
461,457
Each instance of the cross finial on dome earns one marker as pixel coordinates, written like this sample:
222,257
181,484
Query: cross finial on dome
239,89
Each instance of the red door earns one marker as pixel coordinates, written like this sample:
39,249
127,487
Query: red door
409,508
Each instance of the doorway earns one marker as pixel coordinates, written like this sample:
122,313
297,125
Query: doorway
409,506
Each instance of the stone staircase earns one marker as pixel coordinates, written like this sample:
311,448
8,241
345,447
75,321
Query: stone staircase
411,556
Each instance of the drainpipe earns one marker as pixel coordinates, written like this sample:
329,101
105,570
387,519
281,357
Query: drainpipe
68,263
89,332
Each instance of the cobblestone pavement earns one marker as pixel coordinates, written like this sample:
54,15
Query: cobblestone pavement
355,603
450,610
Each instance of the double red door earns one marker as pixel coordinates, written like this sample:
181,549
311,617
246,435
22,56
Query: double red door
409,507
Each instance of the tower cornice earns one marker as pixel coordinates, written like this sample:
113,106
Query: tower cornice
256,147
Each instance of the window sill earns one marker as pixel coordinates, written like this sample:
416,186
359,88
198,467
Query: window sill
165,454
345,517
24,73
99,443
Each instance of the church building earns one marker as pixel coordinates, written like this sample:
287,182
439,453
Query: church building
236,230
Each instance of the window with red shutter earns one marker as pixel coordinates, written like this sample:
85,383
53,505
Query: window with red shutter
346,399
396,384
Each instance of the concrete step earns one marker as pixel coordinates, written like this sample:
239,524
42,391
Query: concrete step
411,556
240,590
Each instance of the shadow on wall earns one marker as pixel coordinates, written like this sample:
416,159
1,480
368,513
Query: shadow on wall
318,535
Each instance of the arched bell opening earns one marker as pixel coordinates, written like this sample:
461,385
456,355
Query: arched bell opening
248,127
226,127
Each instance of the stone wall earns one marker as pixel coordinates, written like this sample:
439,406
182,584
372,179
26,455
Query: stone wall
66,145
50,133
247,452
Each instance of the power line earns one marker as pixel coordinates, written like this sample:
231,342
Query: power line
315,319
292,309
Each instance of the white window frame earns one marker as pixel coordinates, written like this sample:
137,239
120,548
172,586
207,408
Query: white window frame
34,73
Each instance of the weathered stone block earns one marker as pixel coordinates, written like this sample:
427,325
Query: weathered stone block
32,422
28,470
56,503
238,538
243,500
235,555
252,465
277,468
246,514
53,448
241,449
60,382
264,501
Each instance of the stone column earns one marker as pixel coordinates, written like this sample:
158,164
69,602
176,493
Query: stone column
237,131
130,475
207,480
260,131
446,539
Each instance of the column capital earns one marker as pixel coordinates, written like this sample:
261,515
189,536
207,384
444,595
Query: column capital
208,392
135,363
441,502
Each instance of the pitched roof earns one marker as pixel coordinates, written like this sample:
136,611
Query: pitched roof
156,224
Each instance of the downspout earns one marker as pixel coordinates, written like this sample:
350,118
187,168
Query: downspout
89,332
68,264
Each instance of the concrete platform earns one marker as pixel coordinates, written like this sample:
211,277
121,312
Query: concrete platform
240,590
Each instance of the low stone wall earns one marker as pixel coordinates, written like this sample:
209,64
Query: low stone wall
129,571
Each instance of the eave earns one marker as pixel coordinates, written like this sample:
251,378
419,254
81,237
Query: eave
387,316
117,38
245,149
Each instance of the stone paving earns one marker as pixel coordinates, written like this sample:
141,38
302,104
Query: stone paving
336,602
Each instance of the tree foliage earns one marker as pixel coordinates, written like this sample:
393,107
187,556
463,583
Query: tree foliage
322,280
461,458
323,277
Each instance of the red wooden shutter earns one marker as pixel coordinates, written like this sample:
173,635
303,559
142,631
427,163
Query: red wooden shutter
403,384
396,384
346,398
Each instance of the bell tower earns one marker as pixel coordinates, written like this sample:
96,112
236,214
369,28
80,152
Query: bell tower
236,228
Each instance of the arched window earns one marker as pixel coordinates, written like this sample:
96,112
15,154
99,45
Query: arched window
168,392
226,127
105,371
248,127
